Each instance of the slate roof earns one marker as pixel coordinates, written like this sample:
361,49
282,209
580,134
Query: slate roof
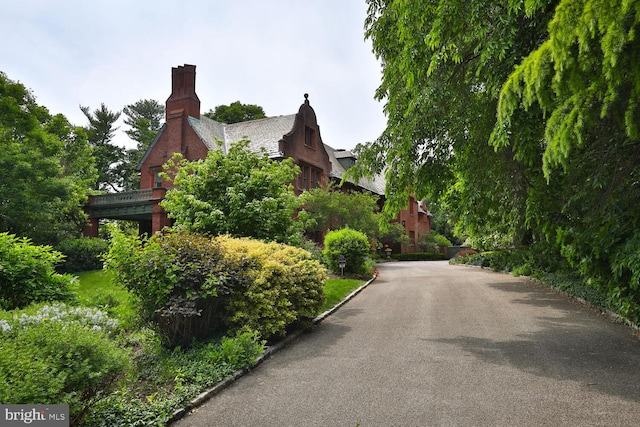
262,133
376,185
266,133
209,131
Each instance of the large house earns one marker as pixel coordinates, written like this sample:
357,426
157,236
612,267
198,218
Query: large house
186,131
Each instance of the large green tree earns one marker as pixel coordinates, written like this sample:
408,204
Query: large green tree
144,119
241,193
330,208
443,65
236,112
110,158
47,167
585,78
522,116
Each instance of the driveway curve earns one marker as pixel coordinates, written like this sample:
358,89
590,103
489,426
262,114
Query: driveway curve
431,344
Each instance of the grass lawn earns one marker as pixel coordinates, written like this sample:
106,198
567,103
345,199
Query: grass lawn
98,290
337,289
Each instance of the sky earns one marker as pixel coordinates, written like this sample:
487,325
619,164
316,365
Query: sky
268,53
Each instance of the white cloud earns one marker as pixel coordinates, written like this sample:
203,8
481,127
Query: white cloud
267,53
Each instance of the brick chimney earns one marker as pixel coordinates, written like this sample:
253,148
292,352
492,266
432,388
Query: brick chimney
183,99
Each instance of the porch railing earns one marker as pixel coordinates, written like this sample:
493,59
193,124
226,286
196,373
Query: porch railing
126,197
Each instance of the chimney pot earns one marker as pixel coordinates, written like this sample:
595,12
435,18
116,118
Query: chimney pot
183,91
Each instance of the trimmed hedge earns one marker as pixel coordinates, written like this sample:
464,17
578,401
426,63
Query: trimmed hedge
420,256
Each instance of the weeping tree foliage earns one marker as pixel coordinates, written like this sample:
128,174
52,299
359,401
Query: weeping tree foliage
521,117
585,78
443,65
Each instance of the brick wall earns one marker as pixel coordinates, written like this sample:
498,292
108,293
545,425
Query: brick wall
177,135
305,145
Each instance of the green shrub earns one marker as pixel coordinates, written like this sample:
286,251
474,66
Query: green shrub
275,285
192,287
27,274
166,380
432,241
349,244
420,256
59,355
84,254
178,280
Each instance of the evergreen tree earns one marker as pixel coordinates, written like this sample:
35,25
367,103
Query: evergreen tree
109,157
144,119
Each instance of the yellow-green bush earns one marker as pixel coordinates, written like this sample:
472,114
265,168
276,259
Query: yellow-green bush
276,285
193,287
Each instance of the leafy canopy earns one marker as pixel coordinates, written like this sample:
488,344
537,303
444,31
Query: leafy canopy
329,208
522,118
47,168
236,112
241,193
443,64
585,79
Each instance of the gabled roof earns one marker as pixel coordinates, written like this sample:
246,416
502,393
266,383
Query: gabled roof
262,133
265,134
376,185
209,131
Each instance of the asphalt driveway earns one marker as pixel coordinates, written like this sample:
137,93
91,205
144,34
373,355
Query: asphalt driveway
430,344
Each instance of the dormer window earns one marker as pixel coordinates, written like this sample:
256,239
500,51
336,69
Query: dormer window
346,158
309,137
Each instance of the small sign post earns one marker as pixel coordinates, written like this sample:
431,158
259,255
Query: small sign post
342,262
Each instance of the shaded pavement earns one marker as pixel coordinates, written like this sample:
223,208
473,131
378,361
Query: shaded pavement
431,344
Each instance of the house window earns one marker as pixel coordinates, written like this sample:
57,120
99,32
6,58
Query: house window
310,177
309,137
157,179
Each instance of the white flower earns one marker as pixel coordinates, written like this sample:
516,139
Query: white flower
92,318
5,326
